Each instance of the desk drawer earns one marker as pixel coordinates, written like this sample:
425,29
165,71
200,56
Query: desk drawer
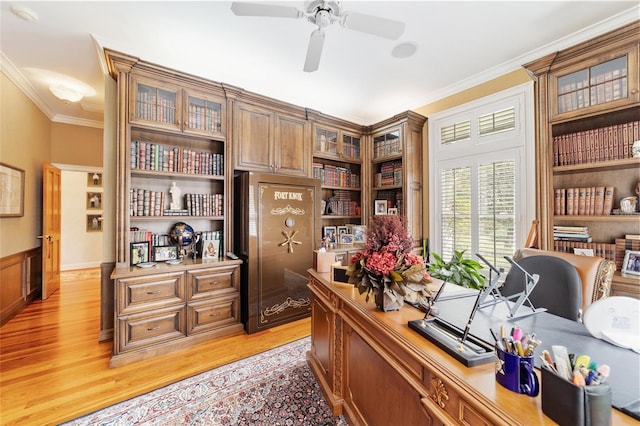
137,294
150,328
206,315
213,282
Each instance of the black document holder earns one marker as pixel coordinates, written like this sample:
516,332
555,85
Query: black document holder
571,405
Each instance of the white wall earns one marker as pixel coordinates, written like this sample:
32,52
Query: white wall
80,248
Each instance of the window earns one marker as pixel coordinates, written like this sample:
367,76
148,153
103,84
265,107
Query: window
478,201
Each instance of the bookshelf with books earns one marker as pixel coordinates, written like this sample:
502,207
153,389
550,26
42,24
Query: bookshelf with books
587,126
337,163
396,167
171,191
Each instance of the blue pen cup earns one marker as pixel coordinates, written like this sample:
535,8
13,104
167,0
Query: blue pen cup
516,373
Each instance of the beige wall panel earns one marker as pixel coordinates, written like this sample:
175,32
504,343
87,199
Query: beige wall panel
24,143
78,145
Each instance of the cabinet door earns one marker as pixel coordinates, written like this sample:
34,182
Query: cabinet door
253,139
203,114
155,103
291,147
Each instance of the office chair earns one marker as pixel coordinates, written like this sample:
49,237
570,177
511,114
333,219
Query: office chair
559,288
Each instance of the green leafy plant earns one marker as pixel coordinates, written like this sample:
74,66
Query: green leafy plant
460,271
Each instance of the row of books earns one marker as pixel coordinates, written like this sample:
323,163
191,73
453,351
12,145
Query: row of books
205,118
137,236
590,146
382,148
156,157
144,202
390,174
587,201
605,250
341,204
571,233
204,204
331,175
151,107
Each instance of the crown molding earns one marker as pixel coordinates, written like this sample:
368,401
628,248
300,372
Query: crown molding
606,25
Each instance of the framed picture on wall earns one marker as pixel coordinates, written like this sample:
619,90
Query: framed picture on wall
11,191
94,200
139,253
94,223
94,179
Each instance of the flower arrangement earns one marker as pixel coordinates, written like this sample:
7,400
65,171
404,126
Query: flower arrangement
387,267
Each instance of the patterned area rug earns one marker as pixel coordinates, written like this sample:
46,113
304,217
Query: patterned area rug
272,388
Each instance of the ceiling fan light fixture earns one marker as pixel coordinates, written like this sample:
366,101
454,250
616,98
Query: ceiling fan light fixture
66,93
404,50
24,13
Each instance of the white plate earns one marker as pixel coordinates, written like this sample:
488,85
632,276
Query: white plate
616,320
174,261
146,264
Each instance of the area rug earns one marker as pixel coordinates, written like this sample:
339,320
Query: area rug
272,388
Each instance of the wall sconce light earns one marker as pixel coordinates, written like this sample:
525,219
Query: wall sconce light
66,93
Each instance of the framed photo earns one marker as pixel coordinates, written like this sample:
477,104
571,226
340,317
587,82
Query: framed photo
631,264
94,200
329,232
343,230
345,239
139,252
380,207
359,234
94,223
94,179
211,249
392,210
11,191
164,253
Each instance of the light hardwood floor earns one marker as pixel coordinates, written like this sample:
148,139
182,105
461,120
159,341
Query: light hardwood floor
53,369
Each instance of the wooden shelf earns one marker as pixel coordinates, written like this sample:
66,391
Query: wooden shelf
610,218
602,165
175,175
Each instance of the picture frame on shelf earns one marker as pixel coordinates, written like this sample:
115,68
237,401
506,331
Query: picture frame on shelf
343,230
392,210
380,207
94,200
94,179
211,249
12,191
329,233
94,223
345,239
164,253
631,263
359,234
139,253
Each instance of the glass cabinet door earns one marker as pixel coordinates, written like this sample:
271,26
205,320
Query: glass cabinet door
326,141
156,105
203,115
387,144
351,147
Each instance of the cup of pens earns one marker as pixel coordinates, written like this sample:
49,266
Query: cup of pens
514,365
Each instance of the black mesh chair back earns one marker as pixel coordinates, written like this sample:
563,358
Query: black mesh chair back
559,288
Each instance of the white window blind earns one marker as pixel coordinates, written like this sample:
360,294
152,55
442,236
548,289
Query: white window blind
478,192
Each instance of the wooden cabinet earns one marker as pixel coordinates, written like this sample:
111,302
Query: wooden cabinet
589,107
172,167
396,167
266,140
338,155
173,307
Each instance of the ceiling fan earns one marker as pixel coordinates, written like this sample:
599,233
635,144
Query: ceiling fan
323,13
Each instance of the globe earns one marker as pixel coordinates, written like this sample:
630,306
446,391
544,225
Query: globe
181,234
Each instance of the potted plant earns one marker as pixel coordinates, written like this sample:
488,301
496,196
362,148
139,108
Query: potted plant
460,271
387,268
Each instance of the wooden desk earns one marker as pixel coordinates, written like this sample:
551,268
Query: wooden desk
376,371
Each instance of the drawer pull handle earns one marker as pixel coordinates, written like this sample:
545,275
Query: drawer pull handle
153,328
214,314
153,292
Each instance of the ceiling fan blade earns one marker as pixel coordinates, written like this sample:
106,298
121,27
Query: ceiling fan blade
262,9
314,51
375,25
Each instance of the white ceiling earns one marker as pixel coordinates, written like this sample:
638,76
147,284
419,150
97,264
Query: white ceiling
460,44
